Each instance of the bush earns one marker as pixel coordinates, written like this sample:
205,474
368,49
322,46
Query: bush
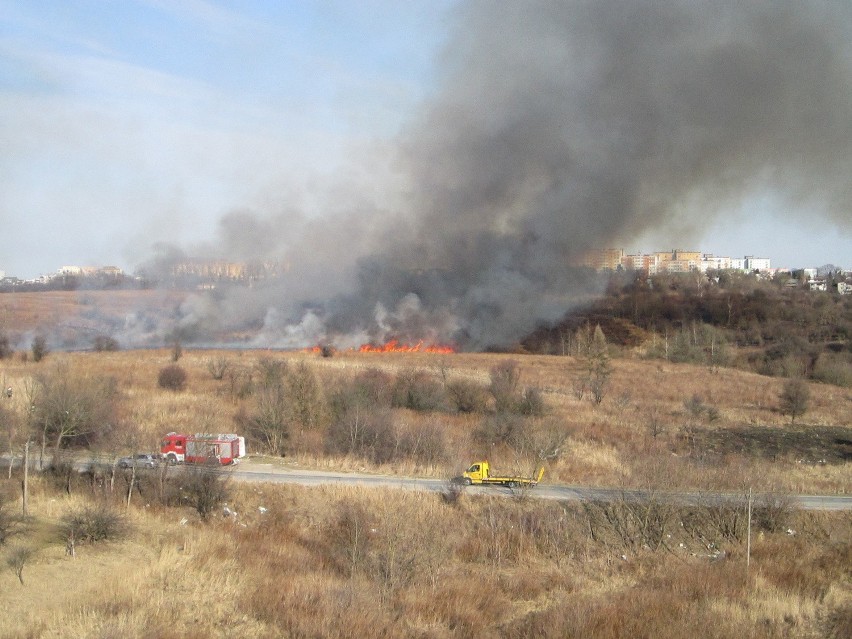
9,523
364,433
74,409
5,346
204,487
418,391
218,366
104,343
466,396
833,369
501,428
504,384
532,403
92,524
172,377
39,348
794,398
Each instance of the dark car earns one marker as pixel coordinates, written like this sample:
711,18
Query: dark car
140,461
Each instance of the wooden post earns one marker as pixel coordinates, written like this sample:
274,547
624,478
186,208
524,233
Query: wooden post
24,483
748,544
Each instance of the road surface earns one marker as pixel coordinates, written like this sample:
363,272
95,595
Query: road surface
269,474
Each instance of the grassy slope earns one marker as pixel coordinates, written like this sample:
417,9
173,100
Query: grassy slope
355,562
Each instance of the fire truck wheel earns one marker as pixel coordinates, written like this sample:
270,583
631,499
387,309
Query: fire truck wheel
171,458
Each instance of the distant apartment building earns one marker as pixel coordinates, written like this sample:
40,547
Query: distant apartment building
70,270
90,271
602,259
640,262
674,261
710,262
225,270
752,263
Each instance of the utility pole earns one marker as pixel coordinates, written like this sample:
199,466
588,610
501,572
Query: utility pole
25,487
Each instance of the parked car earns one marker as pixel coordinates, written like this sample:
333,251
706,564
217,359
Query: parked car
143,460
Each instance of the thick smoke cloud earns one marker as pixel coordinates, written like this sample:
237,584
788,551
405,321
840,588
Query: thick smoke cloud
558,127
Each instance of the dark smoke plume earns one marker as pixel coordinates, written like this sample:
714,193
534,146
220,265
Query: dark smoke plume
557,127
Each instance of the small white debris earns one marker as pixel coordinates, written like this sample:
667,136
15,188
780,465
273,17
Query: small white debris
184,521
624,557
791,532
261,509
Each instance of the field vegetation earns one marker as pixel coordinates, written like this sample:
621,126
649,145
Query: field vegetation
183,552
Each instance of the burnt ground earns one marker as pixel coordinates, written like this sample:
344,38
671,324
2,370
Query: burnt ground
805,444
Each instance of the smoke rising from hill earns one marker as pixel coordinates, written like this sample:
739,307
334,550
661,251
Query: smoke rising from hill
557,127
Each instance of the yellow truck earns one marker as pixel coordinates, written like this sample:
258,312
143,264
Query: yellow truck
480,473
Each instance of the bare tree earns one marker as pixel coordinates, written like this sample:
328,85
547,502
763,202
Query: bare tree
17,560
74,408
504,385
39,348
9,425
794,397
598,366
268,419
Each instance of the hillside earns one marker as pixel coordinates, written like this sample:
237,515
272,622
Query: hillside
272,561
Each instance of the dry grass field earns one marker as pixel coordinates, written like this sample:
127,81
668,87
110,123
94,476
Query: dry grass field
346,562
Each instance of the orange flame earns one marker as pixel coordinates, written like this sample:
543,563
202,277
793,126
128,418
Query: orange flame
393,346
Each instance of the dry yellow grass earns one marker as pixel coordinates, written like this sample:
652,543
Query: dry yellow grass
416,567
609,444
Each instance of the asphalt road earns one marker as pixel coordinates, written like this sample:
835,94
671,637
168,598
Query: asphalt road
267,474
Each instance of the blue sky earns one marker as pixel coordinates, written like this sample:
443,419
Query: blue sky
128,123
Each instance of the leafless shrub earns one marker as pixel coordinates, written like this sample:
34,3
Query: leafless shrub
426,443
531,403
579,387
713,522
172,377
504,385
6,349
10,524
204,487
218,366
794,398
364,433
772,512
466,396
105,344
91,524
502,428
177,350
629,523
39,348
349,537
73,409
306,403
451,493
418,390
17,559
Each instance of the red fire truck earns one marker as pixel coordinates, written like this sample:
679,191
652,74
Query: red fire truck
203,448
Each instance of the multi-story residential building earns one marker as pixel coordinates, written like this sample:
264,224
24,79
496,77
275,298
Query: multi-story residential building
604,259
640,262
710,262
752,263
